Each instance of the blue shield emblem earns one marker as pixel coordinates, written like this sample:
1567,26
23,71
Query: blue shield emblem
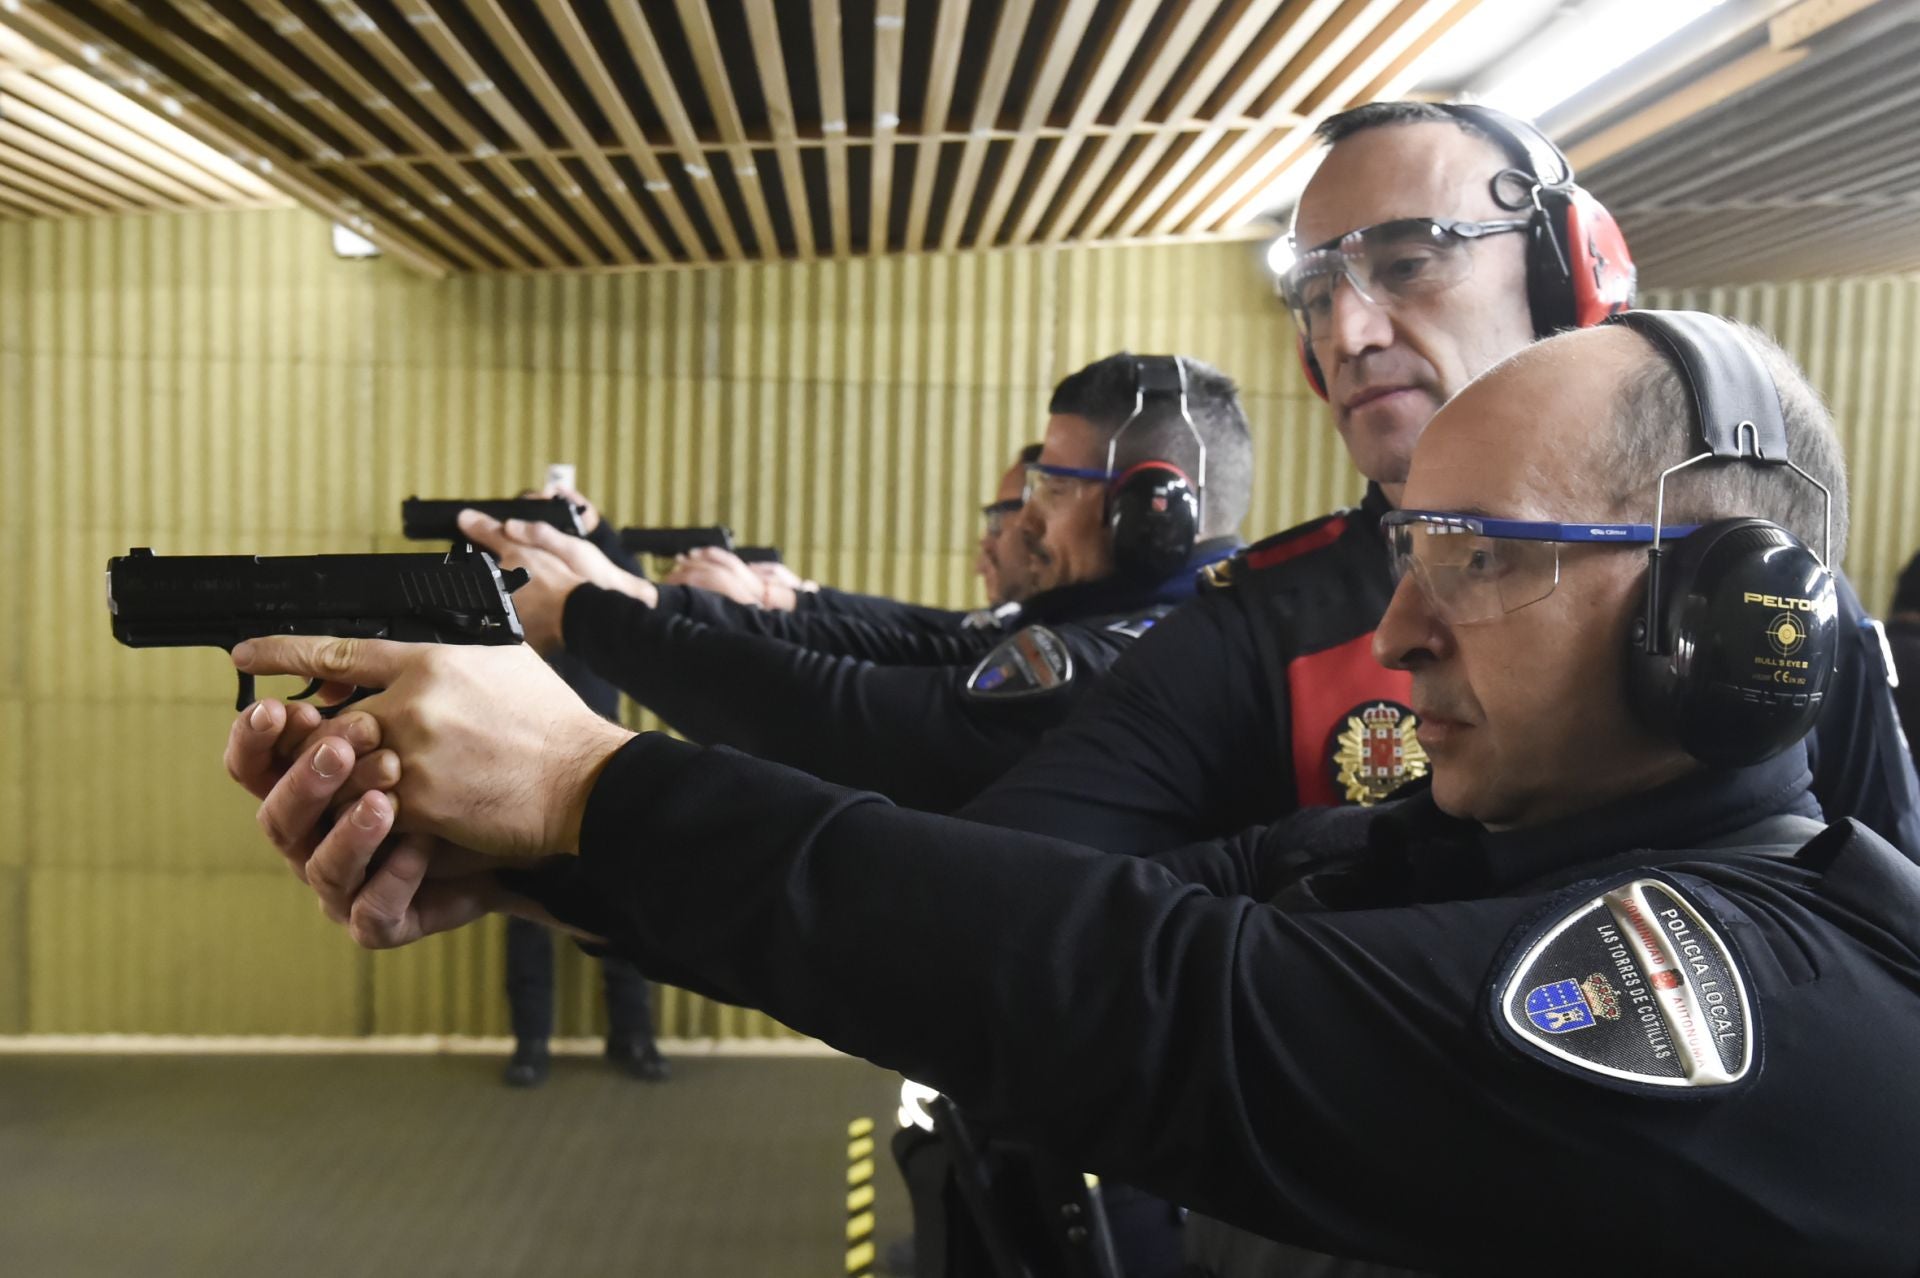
1559,1008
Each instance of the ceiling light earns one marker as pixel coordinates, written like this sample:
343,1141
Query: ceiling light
1280,256
1586,47
350,244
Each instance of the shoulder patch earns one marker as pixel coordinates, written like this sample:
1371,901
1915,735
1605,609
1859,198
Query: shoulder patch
1033,661
1631,986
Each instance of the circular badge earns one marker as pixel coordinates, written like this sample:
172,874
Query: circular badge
1376,752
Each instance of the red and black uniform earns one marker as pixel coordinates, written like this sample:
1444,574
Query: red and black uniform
1259,697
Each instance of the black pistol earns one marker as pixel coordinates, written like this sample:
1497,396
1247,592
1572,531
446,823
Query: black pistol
666,543
218,601
437,519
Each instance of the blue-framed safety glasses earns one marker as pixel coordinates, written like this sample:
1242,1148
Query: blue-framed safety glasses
1048,485
1475,568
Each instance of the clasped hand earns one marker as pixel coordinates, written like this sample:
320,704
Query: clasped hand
397,813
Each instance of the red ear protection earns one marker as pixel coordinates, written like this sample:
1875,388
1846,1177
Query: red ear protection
1602,268
1311,367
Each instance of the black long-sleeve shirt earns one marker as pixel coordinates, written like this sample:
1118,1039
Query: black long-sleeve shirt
920,719
1295,1030
903,635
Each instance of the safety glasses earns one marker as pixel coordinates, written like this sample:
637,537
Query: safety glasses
998,512
1385,263
1473,568
1049,485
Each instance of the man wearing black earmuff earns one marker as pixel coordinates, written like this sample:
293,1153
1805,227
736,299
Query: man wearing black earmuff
1608,989
1433,241
1141,480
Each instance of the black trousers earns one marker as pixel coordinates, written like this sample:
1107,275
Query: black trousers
530,988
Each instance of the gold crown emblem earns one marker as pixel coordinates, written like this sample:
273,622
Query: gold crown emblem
1377,752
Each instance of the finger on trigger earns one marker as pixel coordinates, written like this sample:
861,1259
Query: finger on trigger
365,663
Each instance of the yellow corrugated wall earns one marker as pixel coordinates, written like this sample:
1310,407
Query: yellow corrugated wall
219,383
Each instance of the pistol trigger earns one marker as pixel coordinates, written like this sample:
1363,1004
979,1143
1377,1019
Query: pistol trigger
246,697
308,691
514,578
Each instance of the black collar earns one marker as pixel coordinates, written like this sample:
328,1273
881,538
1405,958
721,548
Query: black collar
1116,594
1417,852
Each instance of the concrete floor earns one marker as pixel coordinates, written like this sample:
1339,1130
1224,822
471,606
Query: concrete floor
426,1165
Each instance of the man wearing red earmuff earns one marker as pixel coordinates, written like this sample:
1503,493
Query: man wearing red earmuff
1432,242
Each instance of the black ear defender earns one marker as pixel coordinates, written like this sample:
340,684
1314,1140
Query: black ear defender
1739,635
1154,510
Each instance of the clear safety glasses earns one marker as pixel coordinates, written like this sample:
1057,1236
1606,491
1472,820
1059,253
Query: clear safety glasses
1407,257
1048,486
1472,568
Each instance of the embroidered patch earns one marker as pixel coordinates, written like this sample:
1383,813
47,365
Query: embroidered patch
1635,986
1376,752
1031,662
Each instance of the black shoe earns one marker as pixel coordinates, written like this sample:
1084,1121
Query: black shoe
640,1058
529,1065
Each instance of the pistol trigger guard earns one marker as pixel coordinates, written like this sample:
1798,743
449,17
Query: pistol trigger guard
359,694
246,697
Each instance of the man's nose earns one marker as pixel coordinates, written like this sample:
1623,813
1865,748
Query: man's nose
1356,324
1411,634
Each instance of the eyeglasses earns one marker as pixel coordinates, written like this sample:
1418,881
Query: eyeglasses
1471,568
1385,263
1048,485
998,512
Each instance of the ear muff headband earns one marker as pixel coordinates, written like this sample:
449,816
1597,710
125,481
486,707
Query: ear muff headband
1739,635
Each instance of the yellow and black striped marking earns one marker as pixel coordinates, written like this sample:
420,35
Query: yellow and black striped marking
860,1198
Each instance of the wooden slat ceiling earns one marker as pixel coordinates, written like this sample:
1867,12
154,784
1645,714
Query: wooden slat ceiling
485,135
71,146
1791,152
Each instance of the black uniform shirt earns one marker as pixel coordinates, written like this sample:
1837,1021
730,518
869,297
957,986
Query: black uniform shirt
946,715
1328,1070
1263,696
